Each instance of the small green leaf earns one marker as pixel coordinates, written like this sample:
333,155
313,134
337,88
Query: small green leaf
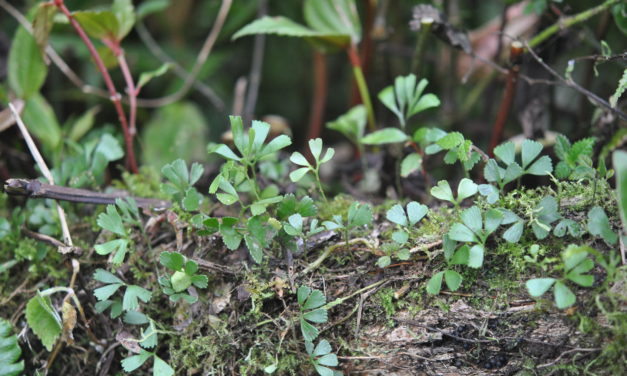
460,257
277,143
161,368
314,300
43,320
400,237
146,77
230,235
435,284
43,22
461,233
489,191
315,145
104,276
443,191
83,124
317,315
581,279
538,286
359,214
223,151
599,225
118,246
111,221
299,159
475,256
309,331
200,281
104,292
285,27
453,279
172,260
451,140
26,70
415,212
465,189
192,200
323,348
513,234
132,363
384,261
254,248
385,136
352,124
132,294
98,24
125,14
298,174
180,281
471,217
410,164
530,150
493,220
41,121
564,298
492,172
506,152
542,166
396,214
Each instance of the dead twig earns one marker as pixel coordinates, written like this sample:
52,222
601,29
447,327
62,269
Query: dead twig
47,174
573,85
37,189
575,350
177,69
200,60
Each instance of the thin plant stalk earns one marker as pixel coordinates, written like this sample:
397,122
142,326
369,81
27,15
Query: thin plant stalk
567,22
425,27
317,175
516,50
320,90
132,93
353,56
115,97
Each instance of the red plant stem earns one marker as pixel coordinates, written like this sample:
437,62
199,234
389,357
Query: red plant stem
131,163
367,45
516,50
318,101
132,93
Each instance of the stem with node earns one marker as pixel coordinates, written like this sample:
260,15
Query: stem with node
131,163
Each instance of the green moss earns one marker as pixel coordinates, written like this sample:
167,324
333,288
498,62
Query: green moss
145,184
386,299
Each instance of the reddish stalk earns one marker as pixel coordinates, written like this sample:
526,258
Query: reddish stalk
131,91
131,163
358,74
318,101
516,50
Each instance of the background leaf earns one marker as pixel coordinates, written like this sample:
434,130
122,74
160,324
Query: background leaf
43,320
10,351
26,69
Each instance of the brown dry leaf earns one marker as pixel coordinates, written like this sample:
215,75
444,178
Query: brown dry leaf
128,342
69,321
